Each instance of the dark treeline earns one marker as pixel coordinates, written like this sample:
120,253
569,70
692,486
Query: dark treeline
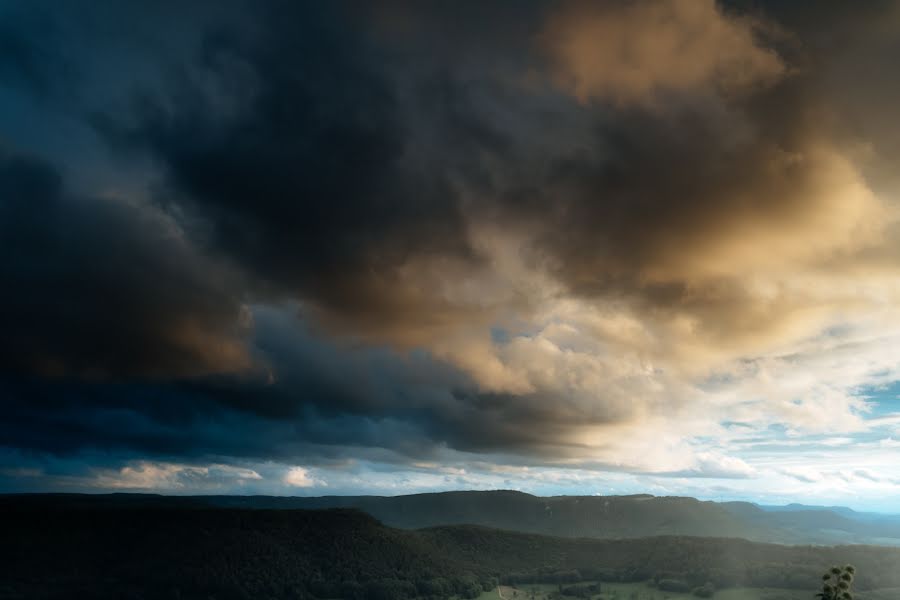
227,554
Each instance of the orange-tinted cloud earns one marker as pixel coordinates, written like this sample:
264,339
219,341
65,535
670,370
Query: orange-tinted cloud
641,52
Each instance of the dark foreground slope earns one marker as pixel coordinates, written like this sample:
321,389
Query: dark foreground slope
174,553
69,552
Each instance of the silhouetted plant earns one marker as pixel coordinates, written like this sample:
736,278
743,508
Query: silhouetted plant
837,583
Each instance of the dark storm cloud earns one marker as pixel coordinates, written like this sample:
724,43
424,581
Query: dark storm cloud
101,288
325,401
328,402
292,146
22,61
345,160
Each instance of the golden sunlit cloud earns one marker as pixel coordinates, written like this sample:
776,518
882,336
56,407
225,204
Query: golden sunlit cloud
643,52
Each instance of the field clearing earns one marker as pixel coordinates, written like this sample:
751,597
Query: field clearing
644,591
494,594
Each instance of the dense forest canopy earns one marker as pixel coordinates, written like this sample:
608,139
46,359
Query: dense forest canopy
64,551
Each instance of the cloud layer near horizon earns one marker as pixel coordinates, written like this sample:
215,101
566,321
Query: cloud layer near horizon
634,238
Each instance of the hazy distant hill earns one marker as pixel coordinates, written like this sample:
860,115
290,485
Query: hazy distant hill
841,510
64,550
570,516
820,525
604,517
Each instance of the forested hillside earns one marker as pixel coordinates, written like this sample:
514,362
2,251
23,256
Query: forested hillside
140,552
194,553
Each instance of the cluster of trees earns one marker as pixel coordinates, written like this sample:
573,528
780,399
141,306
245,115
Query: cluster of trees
837,583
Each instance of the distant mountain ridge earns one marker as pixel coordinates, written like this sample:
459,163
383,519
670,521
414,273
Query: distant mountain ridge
608,517
601,517
841,510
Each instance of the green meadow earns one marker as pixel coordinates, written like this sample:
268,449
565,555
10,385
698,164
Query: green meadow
646,591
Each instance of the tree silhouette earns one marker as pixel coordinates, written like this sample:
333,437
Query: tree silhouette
837,583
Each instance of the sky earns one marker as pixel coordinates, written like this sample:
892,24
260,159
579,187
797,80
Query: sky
563,247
